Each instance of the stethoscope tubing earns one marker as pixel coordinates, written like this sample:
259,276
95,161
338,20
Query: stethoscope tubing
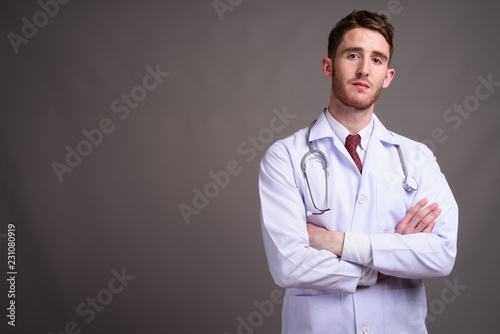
409,182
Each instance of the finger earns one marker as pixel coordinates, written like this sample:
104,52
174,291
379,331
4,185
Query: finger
427,220
415,209
420,216
409,216
429,227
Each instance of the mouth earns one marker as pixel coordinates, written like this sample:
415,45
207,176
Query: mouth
361,85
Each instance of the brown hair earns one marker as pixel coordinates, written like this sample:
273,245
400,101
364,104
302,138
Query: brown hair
360,19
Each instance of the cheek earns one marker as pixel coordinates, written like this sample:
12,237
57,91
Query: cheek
342,68
340,75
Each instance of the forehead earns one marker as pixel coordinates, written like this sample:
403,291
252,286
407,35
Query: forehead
367,39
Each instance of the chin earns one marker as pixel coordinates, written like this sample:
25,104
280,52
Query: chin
354,99
359,104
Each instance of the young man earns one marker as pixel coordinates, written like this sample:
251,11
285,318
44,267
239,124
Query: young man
345,221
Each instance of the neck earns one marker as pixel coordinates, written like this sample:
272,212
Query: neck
352,118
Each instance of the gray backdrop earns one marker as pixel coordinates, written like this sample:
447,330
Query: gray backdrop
131,134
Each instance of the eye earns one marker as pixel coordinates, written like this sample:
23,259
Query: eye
352,56
377,61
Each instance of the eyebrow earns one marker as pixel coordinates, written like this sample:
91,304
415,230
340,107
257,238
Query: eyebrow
358,49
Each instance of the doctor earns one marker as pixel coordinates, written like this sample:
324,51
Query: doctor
350,243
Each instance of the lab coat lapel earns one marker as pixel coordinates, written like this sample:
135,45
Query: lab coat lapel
376,147
322,129
373,153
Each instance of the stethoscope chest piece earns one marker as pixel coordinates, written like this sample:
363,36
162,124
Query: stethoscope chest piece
410,183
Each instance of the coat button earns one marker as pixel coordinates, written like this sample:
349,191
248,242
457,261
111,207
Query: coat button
362,199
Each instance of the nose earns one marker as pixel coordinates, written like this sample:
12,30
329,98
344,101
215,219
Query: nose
363,68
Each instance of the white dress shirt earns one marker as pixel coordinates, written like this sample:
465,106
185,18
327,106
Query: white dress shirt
357,247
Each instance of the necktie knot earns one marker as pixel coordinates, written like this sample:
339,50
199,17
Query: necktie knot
351,143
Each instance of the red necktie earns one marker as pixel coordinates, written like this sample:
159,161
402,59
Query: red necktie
351,142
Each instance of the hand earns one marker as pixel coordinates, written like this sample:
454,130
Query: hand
418,219
320,238
381,276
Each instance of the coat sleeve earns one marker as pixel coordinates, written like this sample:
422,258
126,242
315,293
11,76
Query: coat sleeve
422,255
293,264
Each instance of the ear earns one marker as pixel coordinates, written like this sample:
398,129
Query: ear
388,77
327,66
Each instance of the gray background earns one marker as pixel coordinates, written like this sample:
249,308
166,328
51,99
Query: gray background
120,207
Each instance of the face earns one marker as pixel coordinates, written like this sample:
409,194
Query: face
360,69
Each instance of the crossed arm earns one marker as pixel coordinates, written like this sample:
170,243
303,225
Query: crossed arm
417,220
307,256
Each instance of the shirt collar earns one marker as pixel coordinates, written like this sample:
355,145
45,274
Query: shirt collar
341,132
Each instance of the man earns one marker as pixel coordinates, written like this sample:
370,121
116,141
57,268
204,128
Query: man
352,247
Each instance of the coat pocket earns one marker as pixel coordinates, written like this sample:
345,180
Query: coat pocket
393,202
314,314
405,310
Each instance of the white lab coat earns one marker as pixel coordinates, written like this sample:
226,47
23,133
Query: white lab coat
322,294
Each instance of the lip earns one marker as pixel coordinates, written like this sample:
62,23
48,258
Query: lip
361,85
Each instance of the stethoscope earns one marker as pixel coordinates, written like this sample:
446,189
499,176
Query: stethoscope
409,183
